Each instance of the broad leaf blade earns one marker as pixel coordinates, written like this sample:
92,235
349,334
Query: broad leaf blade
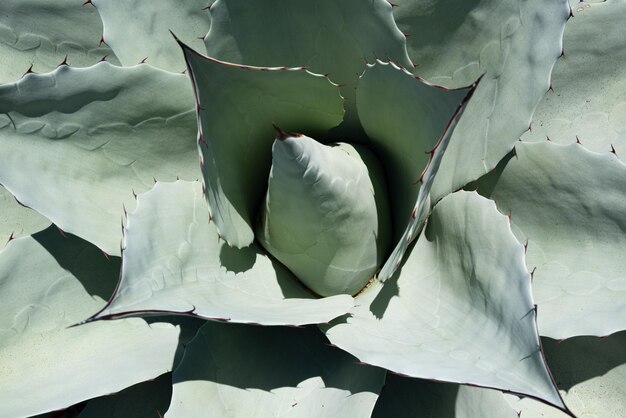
139,30
514,43
327,37
567,203
459,310
44,34
409,124
246,371
236,109
588,101
48,366
79,143
175,261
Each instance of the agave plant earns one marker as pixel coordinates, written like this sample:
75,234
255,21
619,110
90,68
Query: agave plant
328,208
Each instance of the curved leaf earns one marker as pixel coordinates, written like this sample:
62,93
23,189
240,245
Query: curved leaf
514,43
44,34
175,261
568,204
409,124
245,371
327,37
340,190
459,310
139,30
46,365
588,102
79,143
236,109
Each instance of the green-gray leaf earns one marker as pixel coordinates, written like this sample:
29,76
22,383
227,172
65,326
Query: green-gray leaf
589,98
328,37
340,191
514,43
255,372
139,30
568,204
409,124
459,310
175,261
237,107
77,144
47,283
42,33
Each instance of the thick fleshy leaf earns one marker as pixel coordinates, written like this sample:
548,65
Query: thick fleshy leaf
591,374
405,397
459,310
139,30
78,143
514,43
250,371
236,109
409,133
17,220
340,191
47,283
44,34
589,98
330,37
569,205
175,261
143,400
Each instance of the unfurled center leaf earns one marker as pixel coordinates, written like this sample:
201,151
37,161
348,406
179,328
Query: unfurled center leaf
326,213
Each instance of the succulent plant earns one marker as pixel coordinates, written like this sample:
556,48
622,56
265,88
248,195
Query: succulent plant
328,208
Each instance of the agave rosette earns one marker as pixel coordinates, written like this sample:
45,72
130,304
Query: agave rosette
486,236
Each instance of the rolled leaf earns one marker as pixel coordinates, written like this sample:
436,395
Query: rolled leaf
326,213
237,106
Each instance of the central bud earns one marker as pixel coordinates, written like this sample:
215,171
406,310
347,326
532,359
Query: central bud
326,213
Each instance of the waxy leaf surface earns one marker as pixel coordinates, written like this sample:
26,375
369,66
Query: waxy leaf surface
175,261
78,144
236,109
241,371
43,34
47,283
459,310
139,30
568,204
